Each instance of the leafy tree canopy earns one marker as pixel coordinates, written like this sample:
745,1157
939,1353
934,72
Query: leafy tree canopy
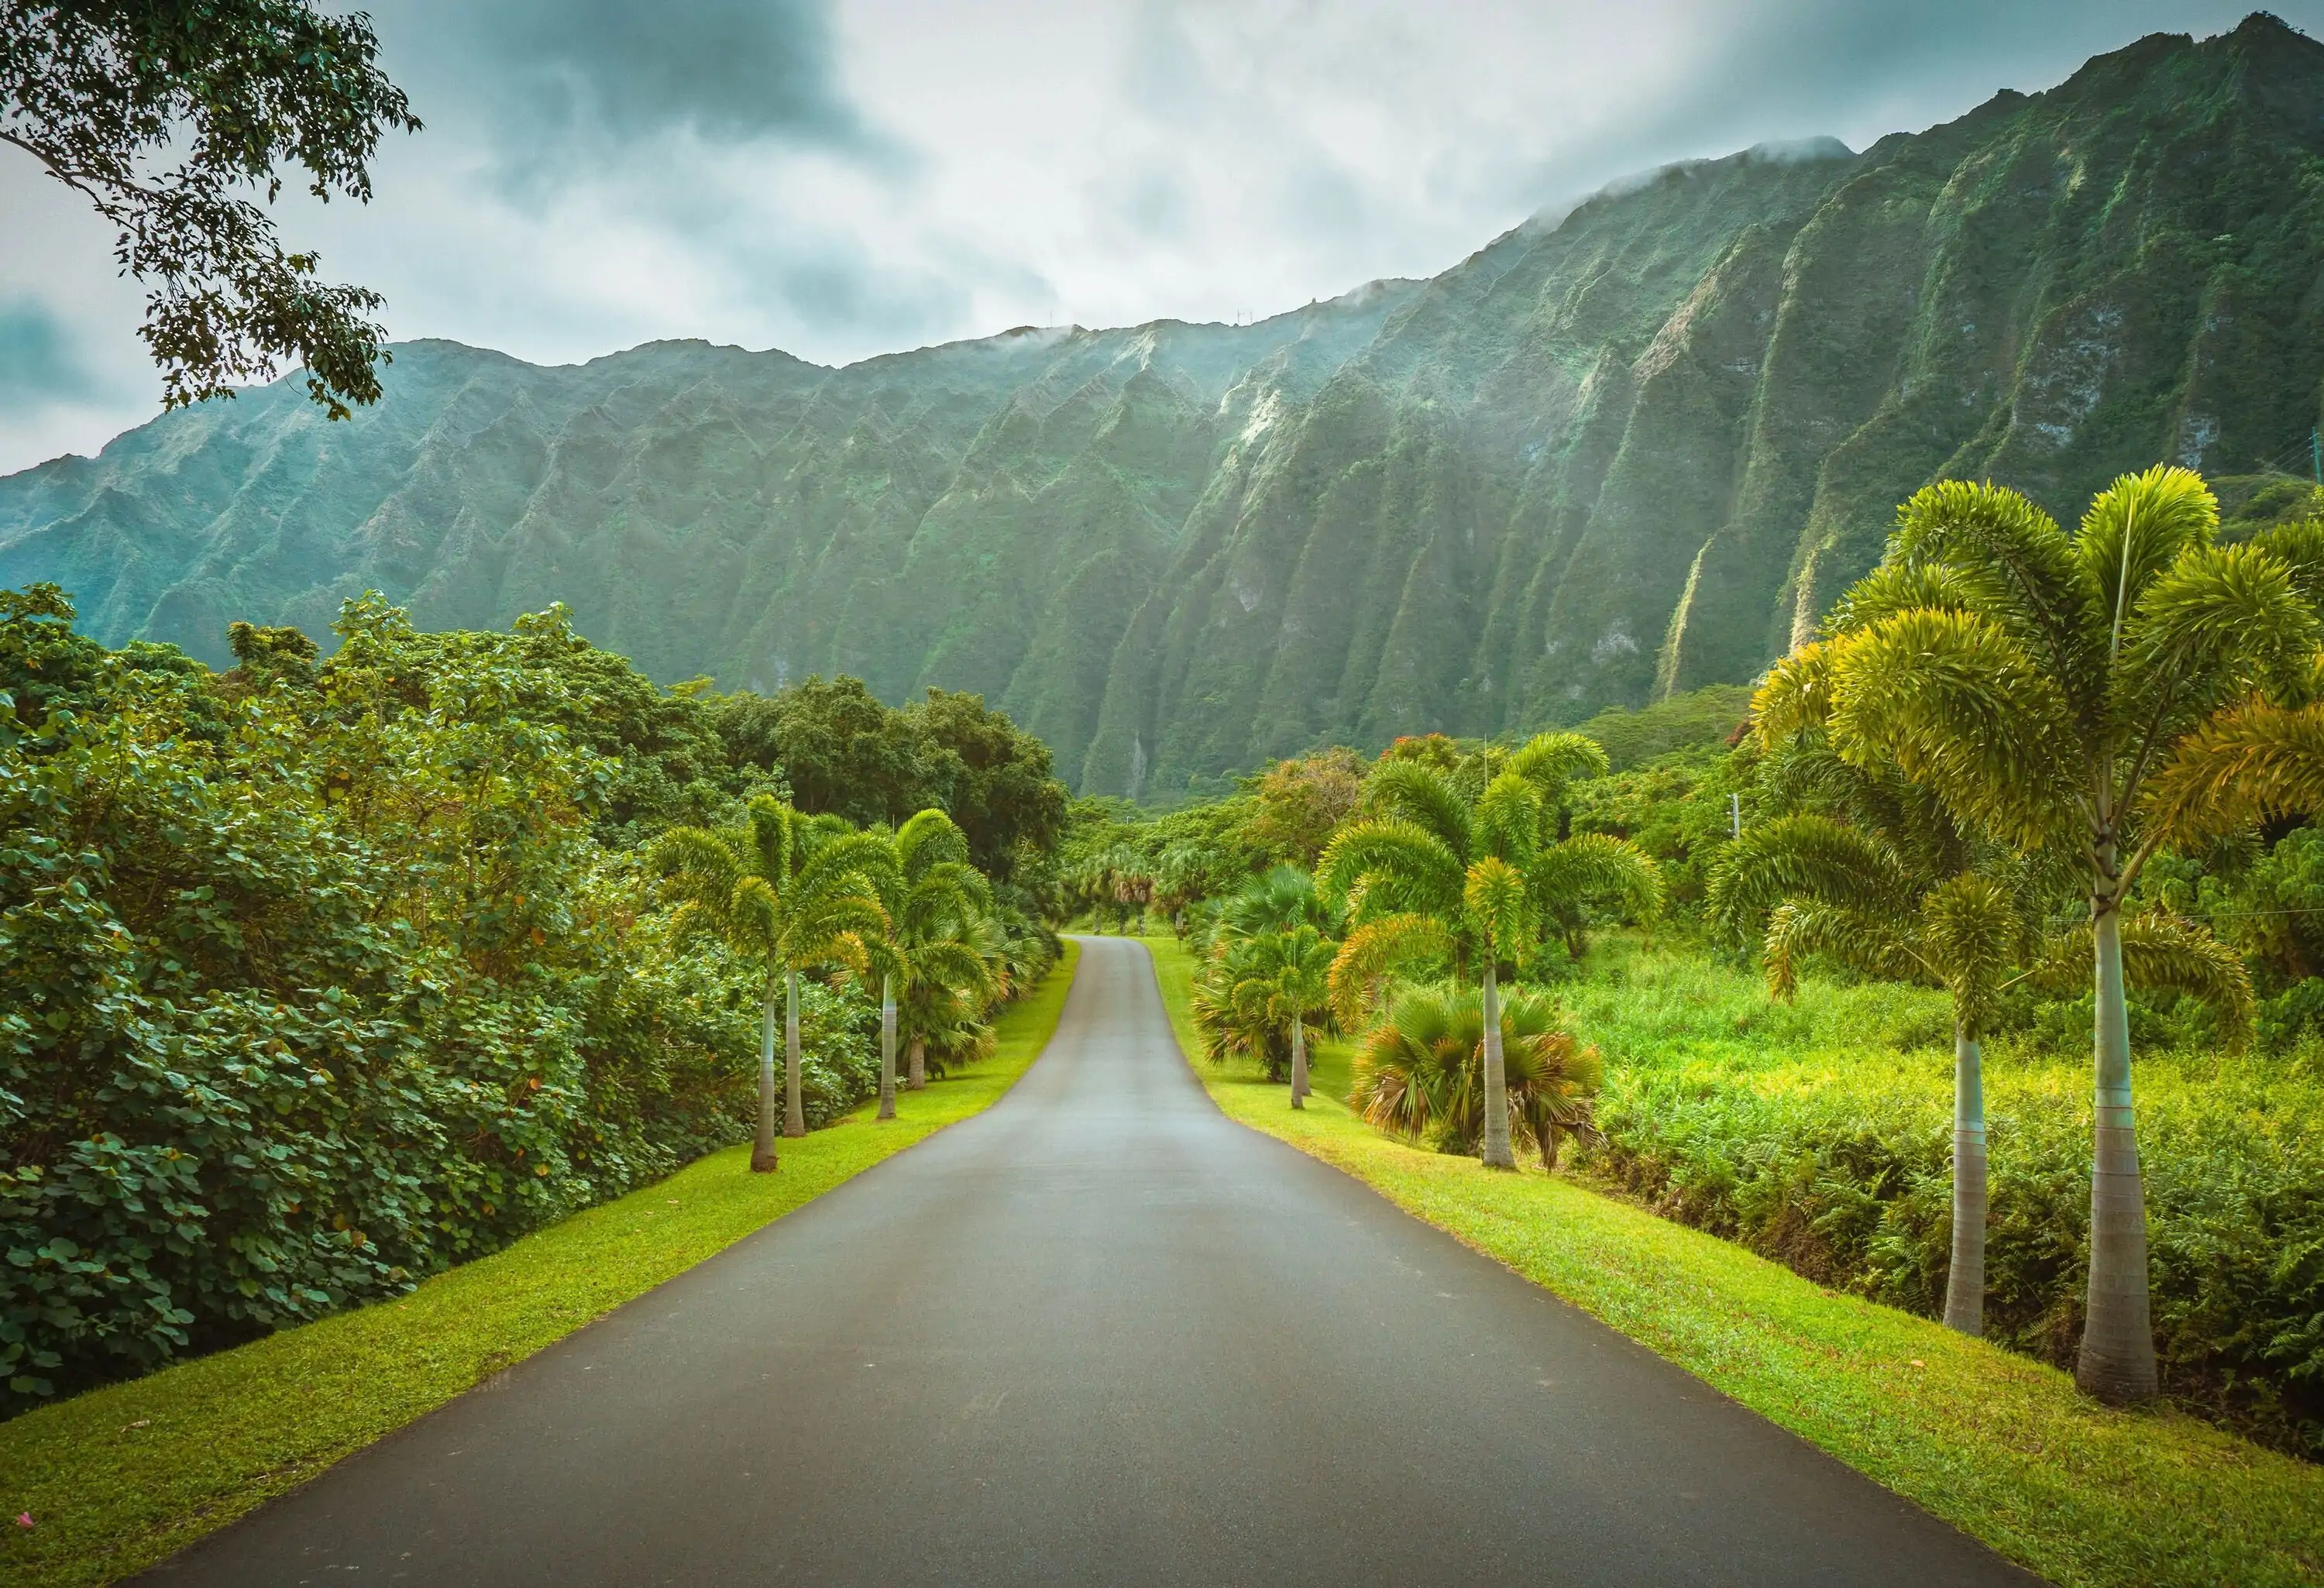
165,114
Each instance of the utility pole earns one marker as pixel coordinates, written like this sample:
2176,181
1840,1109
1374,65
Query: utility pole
2316,455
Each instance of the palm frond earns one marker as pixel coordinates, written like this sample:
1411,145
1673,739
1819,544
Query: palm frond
1874,943
1499,902
1551,762
1422,796
2220,623
1898,587
1797,695
1401,865
1599,869
1506,823
1805,857
1958,704
1972,931
2246,764
2016,568
1374,949
2136,528
2165,952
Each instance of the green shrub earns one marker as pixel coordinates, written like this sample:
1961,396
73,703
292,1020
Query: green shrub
1820,1135
319,979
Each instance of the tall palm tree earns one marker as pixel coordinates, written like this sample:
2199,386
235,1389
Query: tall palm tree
788,893
1420,1074
1431,874
2035,681
938,967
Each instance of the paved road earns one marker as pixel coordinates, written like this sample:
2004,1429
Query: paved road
1097,1334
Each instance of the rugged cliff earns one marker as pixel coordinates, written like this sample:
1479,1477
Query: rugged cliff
1632,449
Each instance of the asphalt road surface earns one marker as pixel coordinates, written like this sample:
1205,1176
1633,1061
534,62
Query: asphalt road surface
1096,1334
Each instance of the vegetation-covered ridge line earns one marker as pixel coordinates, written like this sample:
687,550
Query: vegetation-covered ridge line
1632,453
124,1476
2001,1447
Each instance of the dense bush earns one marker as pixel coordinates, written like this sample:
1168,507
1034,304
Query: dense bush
1819,1134
322,976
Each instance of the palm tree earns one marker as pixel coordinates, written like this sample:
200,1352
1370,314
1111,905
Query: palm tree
1420,1074
1431,874
788,893
2035,681
1826,887
936,966
1276,901
1258,995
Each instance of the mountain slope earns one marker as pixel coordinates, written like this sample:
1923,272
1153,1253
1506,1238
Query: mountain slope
1633,451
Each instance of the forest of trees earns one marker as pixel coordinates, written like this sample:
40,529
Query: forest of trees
325,974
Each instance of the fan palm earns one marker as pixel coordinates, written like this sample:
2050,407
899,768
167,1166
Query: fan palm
787,893
2035,683
1429,873
1277,901
1420,1074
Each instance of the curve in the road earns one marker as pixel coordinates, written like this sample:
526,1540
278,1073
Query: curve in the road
1098,1333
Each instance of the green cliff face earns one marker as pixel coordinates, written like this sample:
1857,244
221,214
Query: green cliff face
1631,452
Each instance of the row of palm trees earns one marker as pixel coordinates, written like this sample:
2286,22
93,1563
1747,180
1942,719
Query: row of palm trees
792,895
2000,705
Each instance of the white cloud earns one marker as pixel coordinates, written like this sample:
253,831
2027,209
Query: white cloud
845,180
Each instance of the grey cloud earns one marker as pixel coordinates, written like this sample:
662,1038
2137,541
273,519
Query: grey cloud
39,366
728,71
1795,69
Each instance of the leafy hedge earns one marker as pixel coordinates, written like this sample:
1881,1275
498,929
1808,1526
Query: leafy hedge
319,978
1820,1135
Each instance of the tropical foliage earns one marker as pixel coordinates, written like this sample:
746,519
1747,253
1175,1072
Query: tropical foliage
1420,1073
324,974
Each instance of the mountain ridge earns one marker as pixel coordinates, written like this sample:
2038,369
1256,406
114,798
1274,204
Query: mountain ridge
1629,451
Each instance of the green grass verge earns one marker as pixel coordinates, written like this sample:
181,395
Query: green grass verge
2001,1446
121,1477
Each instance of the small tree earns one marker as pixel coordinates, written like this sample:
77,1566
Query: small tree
787,893
1257,996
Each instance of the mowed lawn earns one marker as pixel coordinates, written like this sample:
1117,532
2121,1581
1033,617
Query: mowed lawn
1999,1446
118,1479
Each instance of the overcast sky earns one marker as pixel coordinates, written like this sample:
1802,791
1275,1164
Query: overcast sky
841,177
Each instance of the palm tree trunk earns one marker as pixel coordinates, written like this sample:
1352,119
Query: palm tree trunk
887,1047
919,1073
764,1159
794,1115
1965,1280
1298,1063
1497,1153
2118,1358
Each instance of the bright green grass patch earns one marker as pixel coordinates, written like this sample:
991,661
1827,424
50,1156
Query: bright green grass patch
2001,1447
122,1476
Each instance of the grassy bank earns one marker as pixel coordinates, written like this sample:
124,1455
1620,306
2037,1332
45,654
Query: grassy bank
117,1479
2001,1446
